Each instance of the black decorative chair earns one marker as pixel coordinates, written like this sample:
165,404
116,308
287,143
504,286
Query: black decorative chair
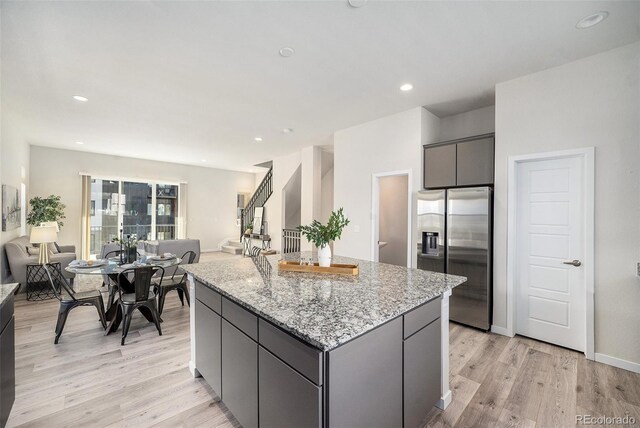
140,295
70,299
105,278
178,282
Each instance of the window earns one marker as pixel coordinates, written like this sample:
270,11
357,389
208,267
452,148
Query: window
147,210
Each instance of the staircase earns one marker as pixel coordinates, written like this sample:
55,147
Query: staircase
234,246
259,198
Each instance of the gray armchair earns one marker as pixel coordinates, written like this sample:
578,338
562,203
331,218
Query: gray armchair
19,258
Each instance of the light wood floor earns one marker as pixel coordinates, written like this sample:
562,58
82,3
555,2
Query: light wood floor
90,380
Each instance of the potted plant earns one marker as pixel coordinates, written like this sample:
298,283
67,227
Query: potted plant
46,209
322,235
249,230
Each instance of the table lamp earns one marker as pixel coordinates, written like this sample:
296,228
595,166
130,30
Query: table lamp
51,223
43,235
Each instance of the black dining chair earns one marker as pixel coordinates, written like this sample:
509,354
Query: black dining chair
178,282
138,294
105,278
70,299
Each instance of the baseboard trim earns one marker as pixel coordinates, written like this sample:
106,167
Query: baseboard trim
501,330
444,402
192,368
618,362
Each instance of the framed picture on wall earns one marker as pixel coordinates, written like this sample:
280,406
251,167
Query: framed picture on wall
11,208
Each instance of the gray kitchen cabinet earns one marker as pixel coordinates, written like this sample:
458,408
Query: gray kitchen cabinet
240,375
208,345
474,165
422,362
439,166
367,370
287,399
303,358
464,162
7,360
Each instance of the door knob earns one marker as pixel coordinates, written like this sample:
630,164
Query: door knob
573,263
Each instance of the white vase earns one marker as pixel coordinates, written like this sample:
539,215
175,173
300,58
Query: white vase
324,256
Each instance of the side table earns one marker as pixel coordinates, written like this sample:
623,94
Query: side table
38,286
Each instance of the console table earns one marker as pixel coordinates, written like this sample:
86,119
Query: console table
248,238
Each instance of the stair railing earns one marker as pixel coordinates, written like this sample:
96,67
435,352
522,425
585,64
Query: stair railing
259,198
290,241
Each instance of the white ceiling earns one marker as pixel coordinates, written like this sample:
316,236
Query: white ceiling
186,81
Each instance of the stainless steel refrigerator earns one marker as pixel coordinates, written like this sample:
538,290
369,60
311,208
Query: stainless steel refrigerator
454,228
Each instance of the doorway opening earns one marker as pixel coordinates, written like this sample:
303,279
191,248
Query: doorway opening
391,209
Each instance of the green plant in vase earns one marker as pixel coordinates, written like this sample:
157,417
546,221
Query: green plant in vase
322,235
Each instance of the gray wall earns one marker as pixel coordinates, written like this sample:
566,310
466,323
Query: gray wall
593,102
211,198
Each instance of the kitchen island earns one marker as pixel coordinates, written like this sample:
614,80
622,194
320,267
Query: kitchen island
288,349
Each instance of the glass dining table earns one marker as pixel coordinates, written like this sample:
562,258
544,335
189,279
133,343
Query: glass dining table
111,269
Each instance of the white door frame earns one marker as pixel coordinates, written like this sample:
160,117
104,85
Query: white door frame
588,157
375,211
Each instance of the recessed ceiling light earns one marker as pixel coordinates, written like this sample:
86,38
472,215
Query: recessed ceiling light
287,131
258,139
357,3
286,52
79,143
592,20
406,87
203,160
80,98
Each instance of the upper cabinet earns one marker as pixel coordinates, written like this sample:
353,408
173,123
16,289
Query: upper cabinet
440,166
464,162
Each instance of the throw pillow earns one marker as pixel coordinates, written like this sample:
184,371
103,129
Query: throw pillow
53,247
33,251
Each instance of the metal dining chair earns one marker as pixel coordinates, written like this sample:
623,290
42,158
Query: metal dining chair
178,282
141,297
70,299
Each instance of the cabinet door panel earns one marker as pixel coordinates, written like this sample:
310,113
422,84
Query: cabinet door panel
302,357
422,362
475,162
209,297
240,375
7,370
287,399
440,166
208,346
365,379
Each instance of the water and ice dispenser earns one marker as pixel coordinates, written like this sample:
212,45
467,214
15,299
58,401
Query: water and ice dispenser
430,243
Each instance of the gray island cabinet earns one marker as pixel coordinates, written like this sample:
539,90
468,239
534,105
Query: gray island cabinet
284,349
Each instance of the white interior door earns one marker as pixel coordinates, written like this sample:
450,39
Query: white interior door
550,277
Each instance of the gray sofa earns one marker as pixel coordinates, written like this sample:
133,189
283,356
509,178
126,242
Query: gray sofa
177,247
174,246
18,257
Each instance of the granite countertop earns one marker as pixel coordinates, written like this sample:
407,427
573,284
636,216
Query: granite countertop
323,310
6,291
